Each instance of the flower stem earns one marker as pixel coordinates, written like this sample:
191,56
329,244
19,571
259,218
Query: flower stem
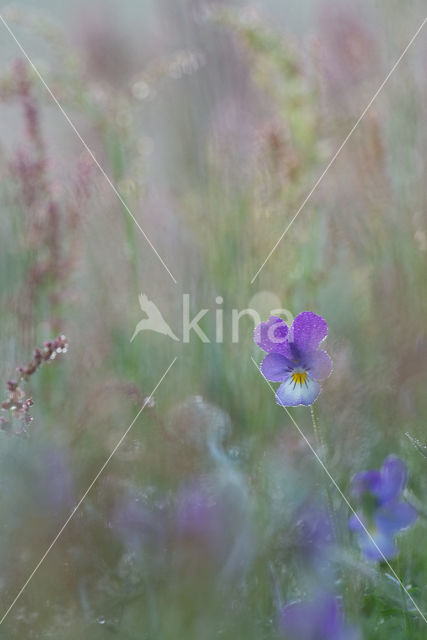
322,453
317,432
404,604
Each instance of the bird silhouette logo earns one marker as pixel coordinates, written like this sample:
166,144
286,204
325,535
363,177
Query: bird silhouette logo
154,320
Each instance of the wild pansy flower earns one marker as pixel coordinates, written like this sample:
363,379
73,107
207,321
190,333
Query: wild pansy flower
294,358
318,619
382,510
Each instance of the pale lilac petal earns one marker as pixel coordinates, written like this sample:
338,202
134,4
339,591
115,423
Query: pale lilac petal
271,336
308,330
394,518
377,546
275,367
291,394
319,364
394,476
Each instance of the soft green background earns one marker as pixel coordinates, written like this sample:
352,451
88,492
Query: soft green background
214,164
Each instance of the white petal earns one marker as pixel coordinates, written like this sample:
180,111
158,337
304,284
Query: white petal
291,393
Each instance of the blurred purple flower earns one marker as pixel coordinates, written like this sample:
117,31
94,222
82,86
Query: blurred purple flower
382,511
198,513
294,357
56,481
317,619
212,518
138,524
314,532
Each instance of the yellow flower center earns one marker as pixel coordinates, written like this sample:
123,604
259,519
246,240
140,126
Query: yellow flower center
299,377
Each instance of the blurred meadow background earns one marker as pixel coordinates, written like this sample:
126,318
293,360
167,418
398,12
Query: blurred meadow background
213,121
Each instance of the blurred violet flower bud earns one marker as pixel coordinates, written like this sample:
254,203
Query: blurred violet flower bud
382,510
318,619
294,358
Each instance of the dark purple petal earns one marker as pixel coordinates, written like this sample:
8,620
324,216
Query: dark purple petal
308,330
291,394
395,517
275,367
319,364
271,336
366,481
394,476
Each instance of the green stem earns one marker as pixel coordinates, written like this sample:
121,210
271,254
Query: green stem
322,453
317,432
404,604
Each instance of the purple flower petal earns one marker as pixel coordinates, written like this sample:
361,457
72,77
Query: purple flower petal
366,481
330,618
394,476
308,330
319,364
271,336
136,524
314,529
275,367
317,619
198,512
292,394
56,480
355,523
298,620
396,517
377,546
